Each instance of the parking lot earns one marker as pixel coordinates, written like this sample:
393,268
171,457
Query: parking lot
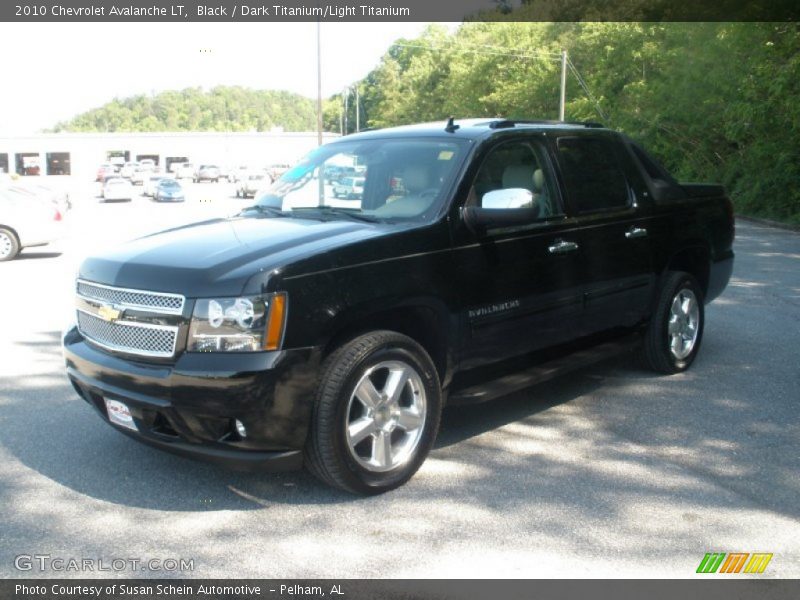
610,472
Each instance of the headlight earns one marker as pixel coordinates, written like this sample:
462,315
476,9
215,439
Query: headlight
246,324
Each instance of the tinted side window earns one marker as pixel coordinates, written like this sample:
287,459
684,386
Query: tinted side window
650,165
592,177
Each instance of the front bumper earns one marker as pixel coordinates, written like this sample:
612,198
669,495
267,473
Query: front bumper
189,407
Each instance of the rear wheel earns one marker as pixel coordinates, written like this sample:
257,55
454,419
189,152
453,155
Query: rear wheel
376,414
9,244
673,337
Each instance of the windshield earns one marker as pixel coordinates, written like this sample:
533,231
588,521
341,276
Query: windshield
397,178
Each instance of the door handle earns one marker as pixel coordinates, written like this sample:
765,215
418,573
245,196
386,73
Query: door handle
636,232
562,247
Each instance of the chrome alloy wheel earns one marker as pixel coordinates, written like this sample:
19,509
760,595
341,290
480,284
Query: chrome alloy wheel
6,244
386,416
684,323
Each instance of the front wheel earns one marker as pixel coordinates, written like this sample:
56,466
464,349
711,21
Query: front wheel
9,244
376,414
673,336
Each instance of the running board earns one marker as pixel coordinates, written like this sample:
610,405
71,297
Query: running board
520,380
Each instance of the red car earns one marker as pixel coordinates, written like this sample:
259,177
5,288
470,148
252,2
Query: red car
104,171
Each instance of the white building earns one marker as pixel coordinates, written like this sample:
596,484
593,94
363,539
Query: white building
80,154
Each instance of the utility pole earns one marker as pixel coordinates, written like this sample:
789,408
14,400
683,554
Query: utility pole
563,85
319,86
346,94
358,125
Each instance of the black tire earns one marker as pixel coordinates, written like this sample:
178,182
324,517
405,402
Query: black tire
657,352
327,452
9,244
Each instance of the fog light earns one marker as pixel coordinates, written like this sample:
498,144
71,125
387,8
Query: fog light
240,429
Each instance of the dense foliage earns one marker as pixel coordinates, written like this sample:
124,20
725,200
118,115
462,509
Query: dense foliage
192,109
715,101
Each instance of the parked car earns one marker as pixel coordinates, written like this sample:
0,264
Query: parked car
349,187
26,222
235,174
151,183
34,189
169,190
332,336
117,188
207,173
140,175
105,170
128,169
249,184
335,173
148,164
184,171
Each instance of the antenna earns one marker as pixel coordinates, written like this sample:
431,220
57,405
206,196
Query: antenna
451,126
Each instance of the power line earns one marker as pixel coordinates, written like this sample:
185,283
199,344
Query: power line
541,54
588,93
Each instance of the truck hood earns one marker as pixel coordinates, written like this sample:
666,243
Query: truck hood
218,257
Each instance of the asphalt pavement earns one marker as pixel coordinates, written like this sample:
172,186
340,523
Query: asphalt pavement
609,472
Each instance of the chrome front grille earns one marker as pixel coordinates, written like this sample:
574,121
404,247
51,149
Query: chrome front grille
158,302
144,339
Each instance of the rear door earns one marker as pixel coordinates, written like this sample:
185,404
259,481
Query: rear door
613,230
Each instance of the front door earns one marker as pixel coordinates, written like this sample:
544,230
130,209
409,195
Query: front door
520,286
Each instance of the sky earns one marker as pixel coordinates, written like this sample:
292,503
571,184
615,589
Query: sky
54,71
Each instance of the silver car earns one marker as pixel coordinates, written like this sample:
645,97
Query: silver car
26,222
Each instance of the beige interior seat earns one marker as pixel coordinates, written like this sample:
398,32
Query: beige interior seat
526,177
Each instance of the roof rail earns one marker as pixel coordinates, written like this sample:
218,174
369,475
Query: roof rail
504,123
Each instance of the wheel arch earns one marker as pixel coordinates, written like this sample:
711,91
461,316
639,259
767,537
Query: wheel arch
694,259
425,322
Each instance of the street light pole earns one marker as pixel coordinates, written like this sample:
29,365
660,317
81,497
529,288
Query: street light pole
319,85
358,124
563,85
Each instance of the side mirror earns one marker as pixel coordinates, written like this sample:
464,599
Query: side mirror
501,208
507,199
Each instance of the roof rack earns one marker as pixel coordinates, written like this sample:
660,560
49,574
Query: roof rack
504,123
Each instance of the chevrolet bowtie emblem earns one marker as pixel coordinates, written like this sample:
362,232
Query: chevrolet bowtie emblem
109,313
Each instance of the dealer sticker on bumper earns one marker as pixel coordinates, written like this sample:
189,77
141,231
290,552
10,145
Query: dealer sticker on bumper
120,414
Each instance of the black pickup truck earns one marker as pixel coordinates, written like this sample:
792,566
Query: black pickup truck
480,256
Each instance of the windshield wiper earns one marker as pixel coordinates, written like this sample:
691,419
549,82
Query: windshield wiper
337,210
275,212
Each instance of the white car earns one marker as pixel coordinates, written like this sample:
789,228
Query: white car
128,169
185,171
250,184
349,187
25,222
117,188
140,175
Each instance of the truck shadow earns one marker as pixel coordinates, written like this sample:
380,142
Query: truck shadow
558,461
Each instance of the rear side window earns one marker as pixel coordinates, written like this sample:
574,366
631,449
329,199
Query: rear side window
592,176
